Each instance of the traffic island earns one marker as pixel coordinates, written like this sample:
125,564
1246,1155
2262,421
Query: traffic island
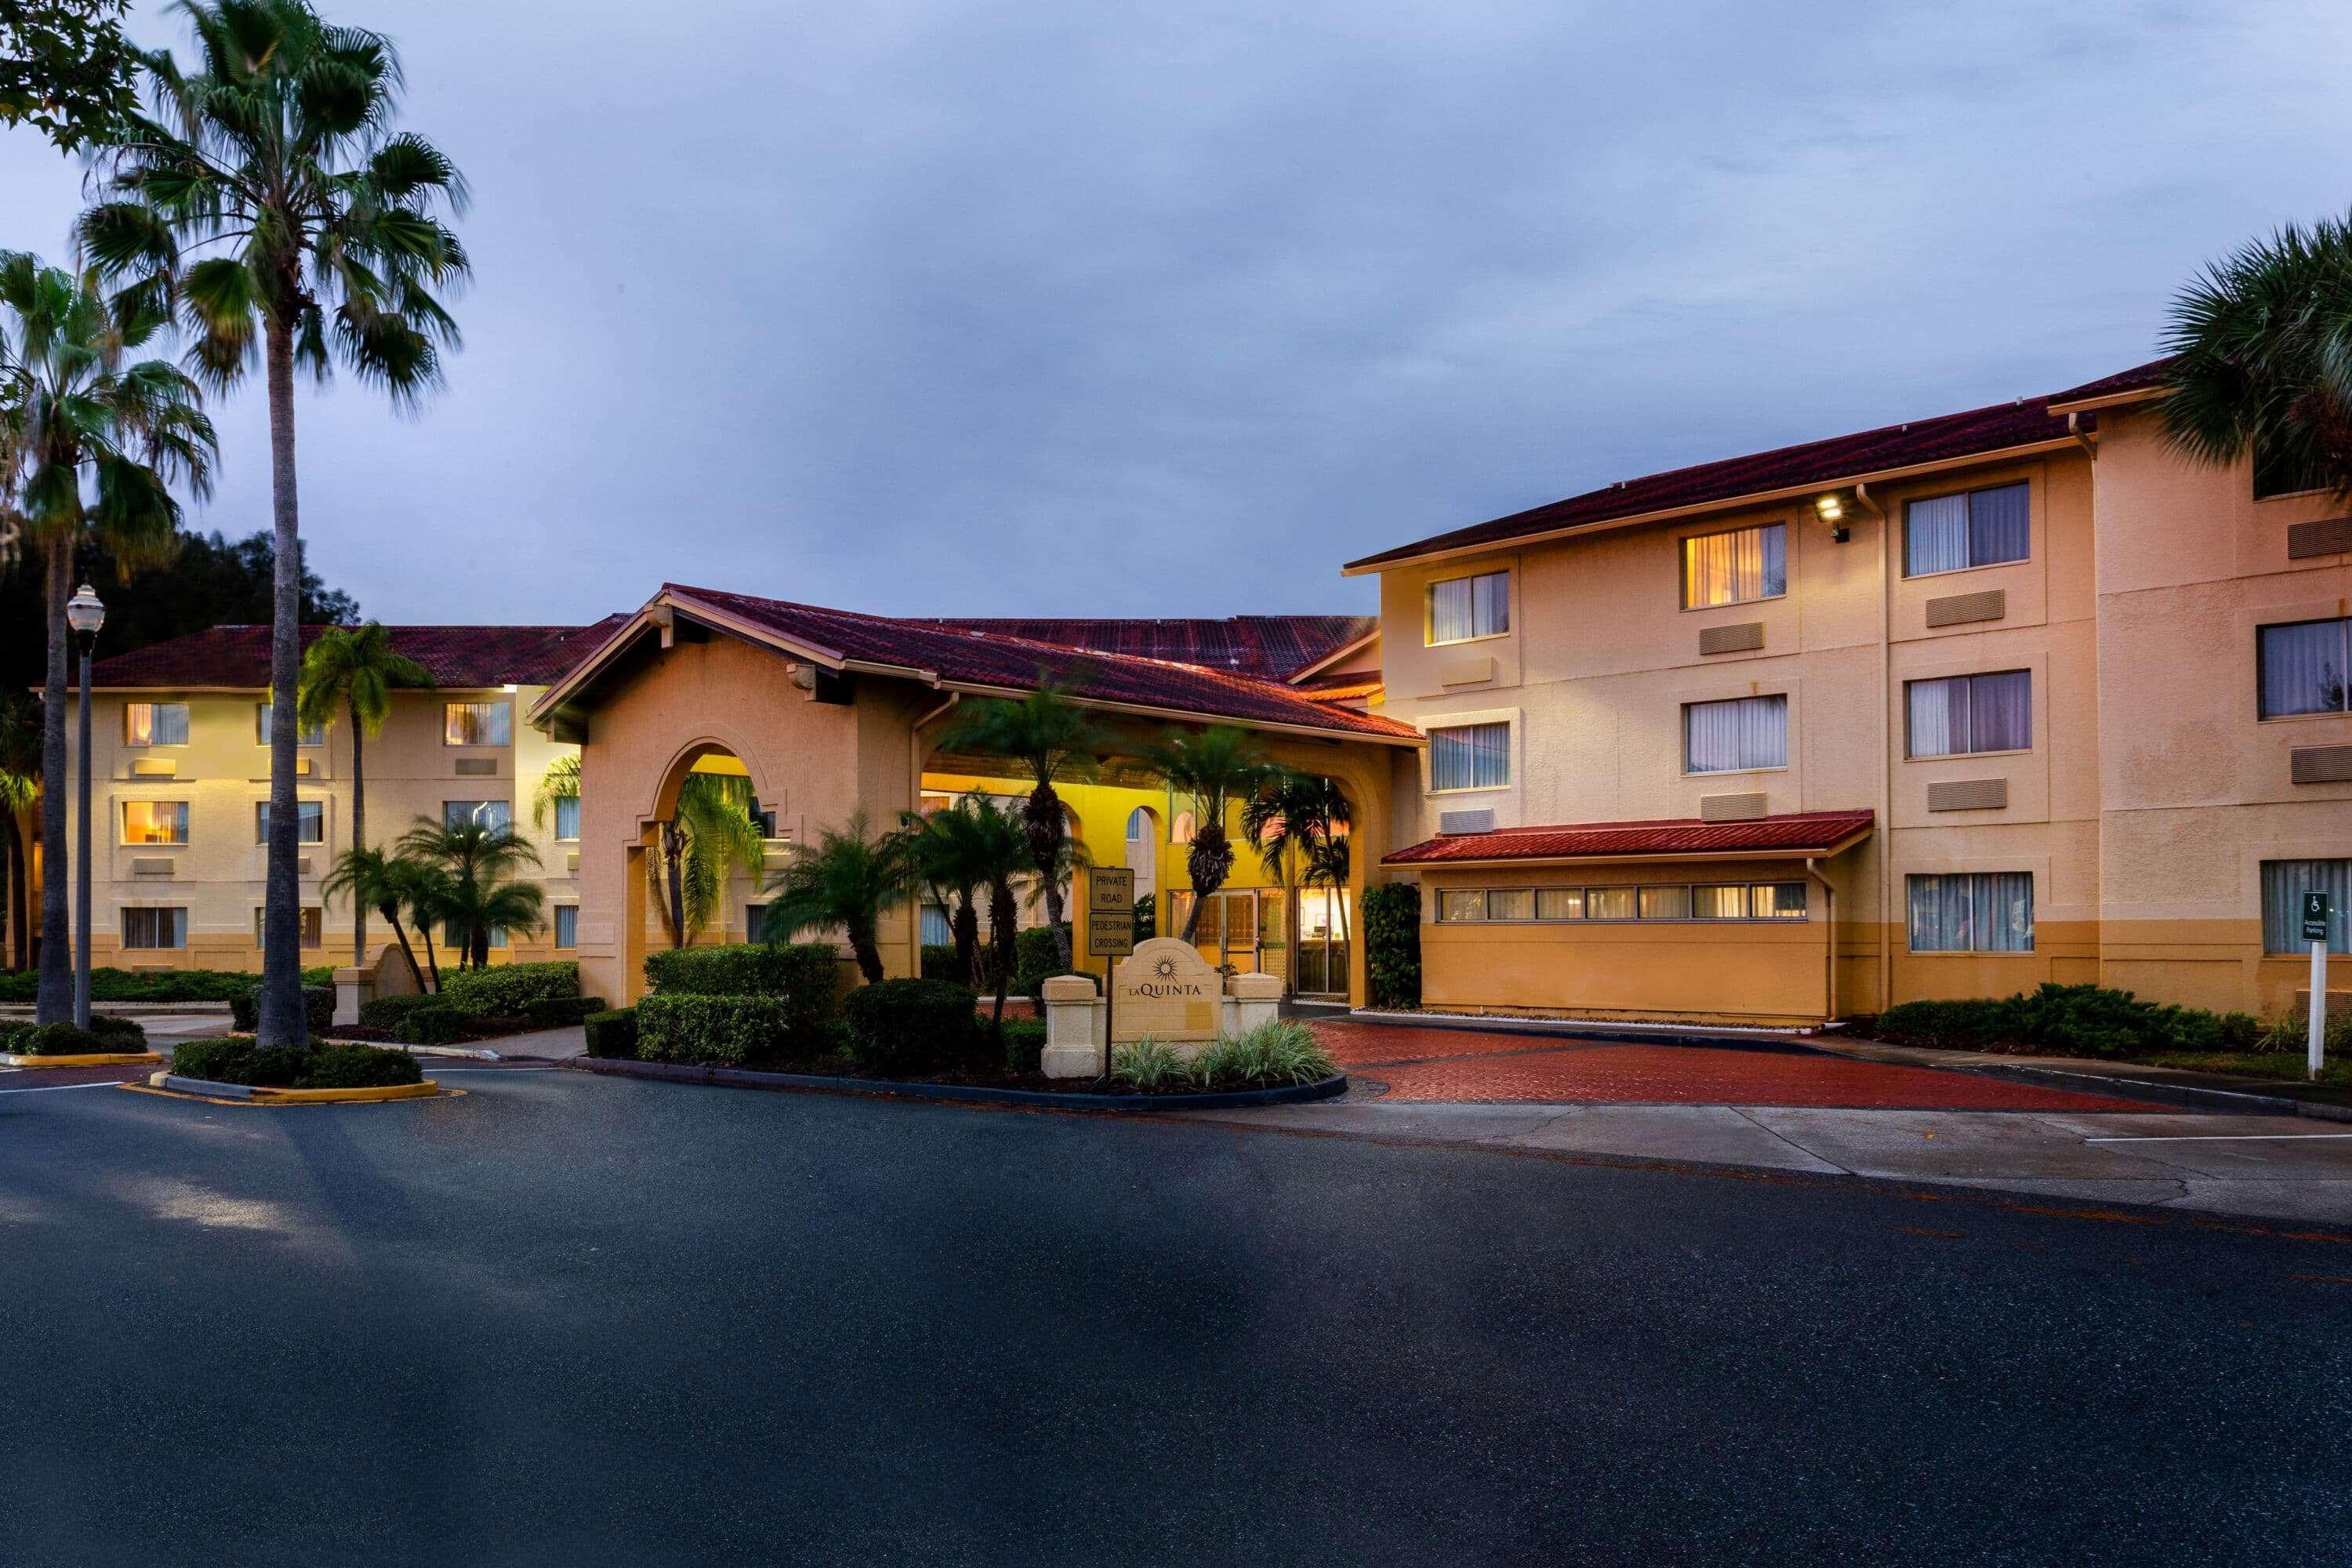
1070,1094
213,1090
100,1060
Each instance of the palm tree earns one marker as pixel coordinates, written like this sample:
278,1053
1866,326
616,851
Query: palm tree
423,890
1213,767
998,854
98,440
352,669
1053,738
710,834
480,893
561,782
20,786
942,846
372,879
1329,858
1280,822
2263,366
846,881
279,151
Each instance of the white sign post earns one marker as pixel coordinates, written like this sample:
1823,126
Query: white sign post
2314,931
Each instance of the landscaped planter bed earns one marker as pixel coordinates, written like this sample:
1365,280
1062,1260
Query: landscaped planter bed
973,1087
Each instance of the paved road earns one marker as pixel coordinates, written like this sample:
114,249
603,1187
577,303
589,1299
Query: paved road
572,1321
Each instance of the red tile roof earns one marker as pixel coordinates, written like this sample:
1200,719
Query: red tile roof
1799,832
1276,647
1841,459
237,657
960,656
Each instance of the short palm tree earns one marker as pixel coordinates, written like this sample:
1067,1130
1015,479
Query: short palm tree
1284,822
2262,341
561,782
1212,768
20,786
421,890
846,881
482,892
1329,862
324,242
998,857
1051,737
98,439
941,843
710,834
353,670
372,879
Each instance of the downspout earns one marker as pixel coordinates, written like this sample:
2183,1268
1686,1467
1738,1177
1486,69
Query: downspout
915,800
1885,747
1829,953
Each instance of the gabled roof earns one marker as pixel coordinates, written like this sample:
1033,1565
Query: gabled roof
1683,837
1275,647
1889,450
955,657
236,657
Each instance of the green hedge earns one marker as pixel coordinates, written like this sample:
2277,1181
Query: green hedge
906,1025
1392,920
437,1023
939,962
2077,1020
801,975
612,1034
318,1009
237,1059
1024,1045
556,1012
724,1031
387,1012
1036,960
59,1039
507,990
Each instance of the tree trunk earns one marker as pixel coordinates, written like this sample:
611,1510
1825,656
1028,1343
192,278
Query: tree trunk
281,1020
359,841
478,948
1209,863
673,880
13,889
966,929
1293,946
54,997
868,955
391,913
425,929
1042,820
1005,936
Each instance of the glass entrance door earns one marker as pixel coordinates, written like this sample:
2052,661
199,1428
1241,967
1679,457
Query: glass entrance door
1323,927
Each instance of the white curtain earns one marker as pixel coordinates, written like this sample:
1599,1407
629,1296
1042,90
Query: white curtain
1972,913
1936,535
1454,906
2304,667
1999,524
2284,884
1745,732
1972,714
1731,568
1467,607
1449,611
1470,756
1490,603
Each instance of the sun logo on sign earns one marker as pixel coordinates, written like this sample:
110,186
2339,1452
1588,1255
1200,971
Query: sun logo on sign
1165,968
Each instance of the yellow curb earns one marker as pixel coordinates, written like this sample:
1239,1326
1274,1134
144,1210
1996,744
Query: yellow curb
428,1090
109,1059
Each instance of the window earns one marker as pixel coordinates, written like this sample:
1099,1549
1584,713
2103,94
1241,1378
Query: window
309,825
1731,737
2302,667
492,814
755,922
765,816
1719,902
1733,568
1510,904
1181,830
2286,473
1972,913
476,724
1674,902
1608,903
154,822
1977,527
567,819
2284,884
313,925
567,925
304,734
1560,903
1462,608
1139,824
155,928
453,936
936,931
155,724
1668,903
1777,902
1467,905
1970,713
1470,756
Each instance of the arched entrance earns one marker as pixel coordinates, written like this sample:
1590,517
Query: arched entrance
703,855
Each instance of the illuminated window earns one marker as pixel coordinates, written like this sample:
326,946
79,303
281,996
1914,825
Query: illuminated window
476,724
492,813
154,822
1735,567
313,924
155,724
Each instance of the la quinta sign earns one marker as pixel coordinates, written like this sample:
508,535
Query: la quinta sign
1167,990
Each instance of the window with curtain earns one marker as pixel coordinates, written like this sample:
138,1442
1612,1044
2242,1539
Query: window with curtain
567,819
1967,713
1463,607
304,734
1982,911
1735,567
155,724
567,925
454,937
488,813
1139,824
309,822
1719,902
1560,903
2302,667
154,822
1180,830
937,931
2284,884
1455,905
1976,528
1608,903
313,923
1511,904
1470,756
1671,902
476,724
1777,902
1730,737
155,928
755,922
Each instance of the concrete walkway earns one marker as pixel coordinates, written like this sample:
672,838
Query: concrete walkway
2265,1167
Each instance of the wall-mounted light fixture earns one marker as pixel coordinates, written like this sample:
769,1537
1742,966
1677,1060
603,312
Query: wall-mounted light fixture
1832,510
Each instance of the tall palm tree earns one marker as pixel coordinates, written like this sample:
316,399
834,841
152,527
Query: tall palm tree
373,880
1330,859
847,881
20,786
1213,767
482,892
353,670
942,845
998,854
277,151
99,440
1052,738
710,834
2263,366
1280,822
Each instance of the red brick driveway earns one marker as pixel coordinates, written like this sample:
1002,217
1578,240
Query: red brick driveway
1441,1063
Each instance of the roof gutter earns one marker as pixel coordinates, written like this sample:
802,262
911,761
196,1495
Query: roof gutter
1799,852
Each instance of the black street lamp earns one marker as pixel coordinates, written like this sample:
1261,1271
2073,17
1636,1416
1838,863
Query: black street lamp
85,615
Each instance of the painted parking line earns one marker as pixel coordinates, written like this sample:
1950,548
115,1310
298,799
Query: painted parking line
2220,1138
54,1088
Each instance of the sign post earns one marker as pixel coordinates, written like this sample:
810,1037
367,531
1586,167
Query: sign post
1110,931
2314,931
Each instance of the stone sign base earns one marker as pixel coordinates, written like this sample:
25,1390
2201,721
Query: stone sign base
1073,1019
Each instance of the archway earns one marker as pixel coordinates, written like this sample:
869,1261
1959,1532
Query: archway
703,854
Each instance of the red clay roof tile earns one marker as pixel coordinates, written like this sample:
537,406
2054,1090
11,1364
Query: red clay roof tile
1797,833
238,656
1276,647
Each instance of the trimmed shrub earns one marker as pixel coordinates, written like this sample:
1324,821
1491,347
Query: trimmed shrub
612,1034
906,1025
722,1031
323,974
359,1066
1391,922
507,990
803,975
555,1012
61,1039
1036,960
939,962
110,985
1024,1045
387,1012
2076,1020
120,1034
318,1008
236,1060
12,1036
436,1024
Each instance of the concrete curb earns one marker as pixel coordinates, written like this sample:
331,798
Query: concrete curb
99,1060
1611,1034
210,1089
817,1083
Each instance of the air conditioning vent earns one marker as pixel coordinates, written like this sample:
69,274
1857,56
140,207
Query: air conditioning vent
1459,822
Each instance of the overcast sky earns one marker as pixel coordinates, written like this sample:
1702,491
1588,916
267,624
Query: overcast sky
1075,307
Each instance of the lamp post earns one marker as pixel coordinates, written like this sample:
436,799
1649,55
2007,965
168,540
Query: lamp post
85,615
